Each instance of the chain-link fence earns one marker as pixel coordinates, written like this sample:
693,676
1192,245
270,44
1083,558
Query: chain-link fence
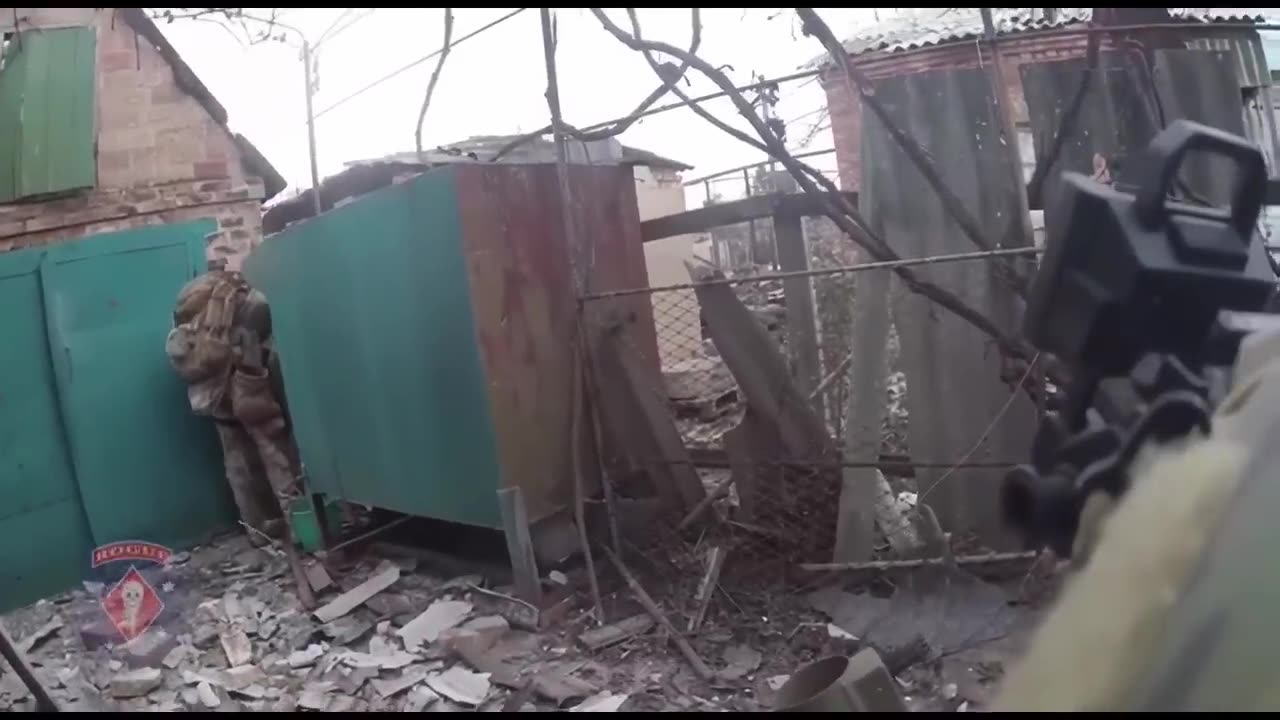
733,459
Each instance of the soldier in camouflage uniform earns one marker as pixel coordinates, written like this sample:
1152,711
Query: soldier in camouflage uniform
221,347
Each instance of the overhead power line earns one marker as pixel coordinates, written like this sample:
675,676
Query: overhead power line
419,61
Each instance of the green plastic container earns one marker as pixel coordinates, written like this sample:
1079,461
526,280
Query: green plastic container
305,527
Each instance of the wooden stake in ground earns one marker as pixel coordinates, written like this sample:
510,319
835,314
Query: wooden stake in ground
654,611
575,450
23,671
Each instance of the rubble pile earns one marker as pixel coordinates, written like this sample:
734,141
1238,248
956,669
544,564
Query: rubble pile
387,636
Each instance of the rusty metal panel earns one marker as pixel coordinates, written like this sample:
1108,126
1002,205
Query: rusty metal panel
953,378
525,306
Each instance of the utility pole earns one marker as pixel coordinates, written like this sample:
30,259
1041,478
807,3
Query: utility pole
1004,114
311,125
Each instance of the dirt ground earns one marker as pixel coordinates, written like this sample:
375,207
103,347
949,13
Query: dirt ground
231,604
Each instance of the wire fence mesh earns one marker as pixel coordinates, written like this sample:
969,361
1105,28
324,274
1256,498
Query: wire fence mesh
762,509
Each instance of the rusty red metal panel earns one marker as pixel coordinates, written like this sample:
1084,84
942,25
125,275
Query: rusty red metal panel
525,305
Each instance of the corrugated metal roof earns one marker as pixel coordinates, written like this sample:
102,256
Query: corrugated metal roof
933,26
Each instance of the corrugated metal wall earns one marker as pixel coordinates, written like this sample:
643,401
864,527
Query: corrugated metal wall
954,389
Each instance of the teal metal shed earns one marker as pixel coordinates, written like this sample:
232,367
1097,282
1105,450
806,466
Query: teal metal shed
427,334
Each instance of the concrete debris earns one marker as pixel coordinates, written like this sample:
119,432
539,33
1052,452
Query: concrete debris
190,696
341,703
383,578
354,680
346,630
176,656
254,691
465,581
964,707
561,688
604,702
236,645
776,682
970,612
392,661
418,699
440,616
135,683
558,577
460,685
203,635
361,660
41,633
478,634
315,695
306,658
601,637
207,696
317,576
835,631
213,677
740,660
242,676
871,684
231,606
410,677
379,645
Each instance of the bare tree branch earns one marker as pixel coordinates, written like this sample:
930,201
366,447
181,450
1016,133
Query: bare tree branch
246,27
858,83
841,212
670,75
435,77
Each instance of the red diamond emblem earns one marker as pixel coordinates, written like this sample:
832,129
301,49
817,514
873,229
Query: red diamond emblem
132,605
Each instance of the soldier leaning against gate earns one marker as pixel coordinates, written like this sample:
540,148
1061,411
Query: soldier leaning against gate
221,347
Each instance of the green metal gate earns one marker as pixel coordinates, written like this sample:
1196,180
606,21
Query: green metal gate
97,442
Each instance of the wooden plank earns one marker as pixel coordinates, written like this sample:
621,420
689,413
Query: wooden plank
358,595
617,632
802,330
524,567
707,586
752,208
760,370
641,433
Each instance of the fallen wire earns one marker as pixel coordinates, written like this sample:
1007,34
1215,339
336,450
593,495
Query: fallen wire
833,376
504,596
985,433
984,559
839,270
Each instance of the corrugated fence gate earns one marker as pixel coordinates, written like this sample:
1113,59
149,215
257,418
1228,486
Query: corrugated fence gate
97,442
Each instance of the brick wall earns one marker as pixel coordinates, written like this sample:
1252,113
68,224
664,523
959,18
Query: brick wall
161,156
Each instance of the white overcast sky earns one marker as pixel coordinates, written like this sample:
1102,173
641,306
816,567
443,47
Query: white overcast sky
494,82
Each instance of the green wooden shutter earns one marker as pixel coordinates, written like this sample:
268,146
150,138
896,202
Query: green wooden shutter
47,113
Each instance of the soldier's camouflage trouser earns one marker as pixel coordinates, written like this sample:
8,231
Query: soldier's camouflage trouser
257,443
